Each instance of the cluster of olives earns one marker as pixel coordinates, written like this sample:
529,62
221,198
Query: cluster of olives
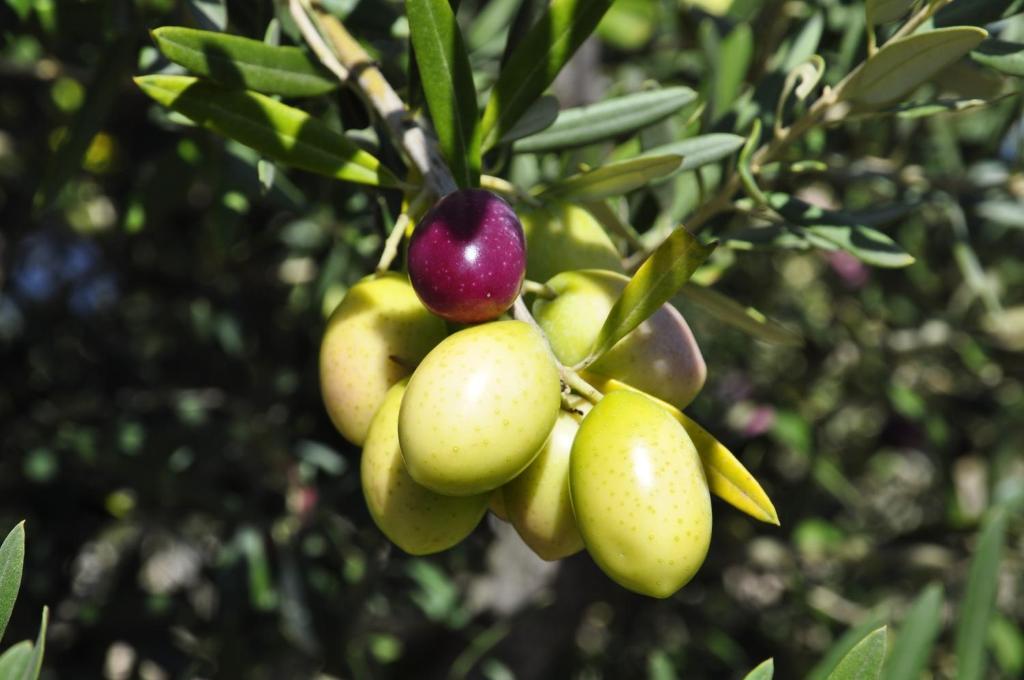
452,423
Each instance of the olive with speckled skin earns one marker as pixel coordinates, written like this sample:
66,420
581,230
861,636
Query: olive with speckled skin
478,408
537,501
660,356
639,494
562,237
467,256
414,518
375,337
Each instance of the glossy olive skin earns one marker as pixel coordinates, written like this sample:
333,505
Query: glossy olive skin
660,356
478,408
639,494
375,337
562,237
467,256
538,502
414,518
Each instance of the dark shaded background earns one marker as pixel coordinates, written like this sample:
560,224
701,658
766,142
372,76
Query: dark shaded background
191,512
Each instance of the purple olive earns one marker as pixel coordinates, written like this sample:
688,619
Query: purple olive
467,256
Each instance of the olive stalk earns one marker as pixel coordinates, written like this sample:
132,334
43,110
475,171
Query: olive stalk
394,240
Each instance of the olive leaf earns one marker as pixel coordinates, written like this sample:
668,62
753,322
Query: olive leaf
536,60
15,662
912,110
746,319
209,14
864,661
278,131
35,664
448,85
764,671
917,635
245,63
699,151
612,179
607,119
1005,57
659,278
841,647
541,114
979,600
884,11
727,477
977,12
904,64
12,558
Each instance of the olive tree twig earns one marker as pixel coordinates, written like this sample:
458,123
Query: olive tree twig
394,239
348,61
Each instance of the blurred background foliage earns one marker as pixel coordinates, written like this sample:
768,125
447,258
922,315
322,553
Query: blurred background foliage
191,512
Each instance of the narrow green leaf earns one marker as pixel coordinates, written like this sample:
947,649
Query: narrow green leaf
746,319
979,600
613,179
659,278
536,60
771,237
730,57
764,671
1005,57
916,637
541,114
12,559
843,645
108,79
977,12
448,85
607,119
904,64
209,14
244,63
699,151
278,131
864,661
35,664
16,661
884,11
912,110
824,227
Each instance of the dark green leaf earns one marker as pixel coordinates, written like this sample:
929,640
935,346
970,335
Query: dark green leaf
243,63
884,11
771,236
1005,57
541,114
864,661
16,661
730,56
764,671
699,151
608,119
613,179
536,60
448,85
843,645
279,132
860,240
979,600
115,65
12,558
661,275
904,64
916,637
977,12
746,319
211,15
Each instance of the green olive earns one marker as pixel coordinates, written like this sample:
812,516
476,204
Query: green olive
563,236
660,356
478,408
640,496
537,501
376,336
415,518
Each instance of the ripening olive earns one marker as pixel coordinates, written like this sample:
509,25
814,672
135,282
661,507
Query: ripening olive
374,338
660,356
640,496
537,501
478,408
415,518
